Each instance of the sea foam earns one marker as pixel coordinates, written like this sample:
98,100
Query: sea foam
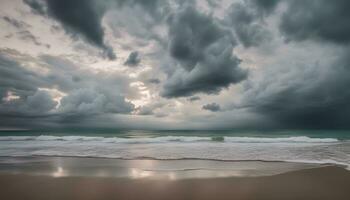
165,139
225,148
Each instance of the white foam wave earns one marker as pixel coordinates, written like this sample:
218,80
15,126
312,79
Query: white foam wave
166,139
295,149
298,139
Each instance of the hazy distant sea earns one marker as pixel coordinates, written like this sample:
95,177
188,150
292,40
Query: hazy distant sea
295,146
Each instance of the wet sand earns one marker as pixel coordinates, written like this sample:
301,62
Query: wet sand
329,182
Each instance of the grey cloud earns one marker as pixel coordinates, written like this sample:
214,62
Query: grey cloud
15,78
23,32
24,92
190,32
194,98
317,20
102,82
196,56
41,101
156,8
213,107
145,111
88,101
14,22
35,111
28,36
265,6
247,22
214,3
84,18
311,96
37,6
8,36
79,18
150,109
153,7
154,80
38,104
202,51
133,59
140,19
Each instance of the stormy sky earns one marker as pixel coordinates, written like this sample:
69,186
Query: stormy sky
175,64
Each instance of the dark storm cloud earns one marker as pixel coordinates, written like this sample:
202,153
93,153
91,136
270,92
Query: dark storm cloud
213,107
84,18
318,95
190,32
312,96
81,18
90,93
25,92
265,6
318,20
133,59
37,6
23,84
247,20
38,104
202,50
196,56
16,78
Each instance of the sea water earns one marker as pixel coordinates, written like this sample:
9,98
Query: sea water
321,147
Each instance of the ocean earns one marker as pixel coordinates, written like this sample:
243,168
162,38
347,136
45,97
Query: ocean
319,147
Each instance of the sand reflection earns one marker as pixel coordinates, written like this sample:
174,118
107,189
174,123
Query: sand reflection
137,173
60,172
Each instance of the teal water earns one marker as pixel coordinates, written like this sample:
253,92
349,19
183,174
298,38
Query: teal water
338,134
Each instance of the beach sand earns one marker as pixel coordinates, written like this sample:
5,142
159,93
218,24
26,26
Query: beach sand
330,182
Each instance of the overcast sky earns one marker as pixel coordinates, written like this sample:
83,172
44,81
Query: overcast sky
175,64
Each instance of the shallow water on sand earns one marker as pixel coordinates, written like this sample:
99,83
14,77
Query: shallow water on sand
137,169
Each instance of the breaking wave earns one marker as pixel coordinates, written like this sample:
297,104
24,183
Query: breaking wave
166,139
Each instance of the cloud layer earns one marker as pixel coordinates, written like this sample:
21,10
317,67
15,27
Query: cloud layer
195,64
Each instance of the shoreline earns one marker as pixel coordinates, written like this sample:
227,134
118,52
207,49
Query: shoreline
328,182
64,166
184,159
